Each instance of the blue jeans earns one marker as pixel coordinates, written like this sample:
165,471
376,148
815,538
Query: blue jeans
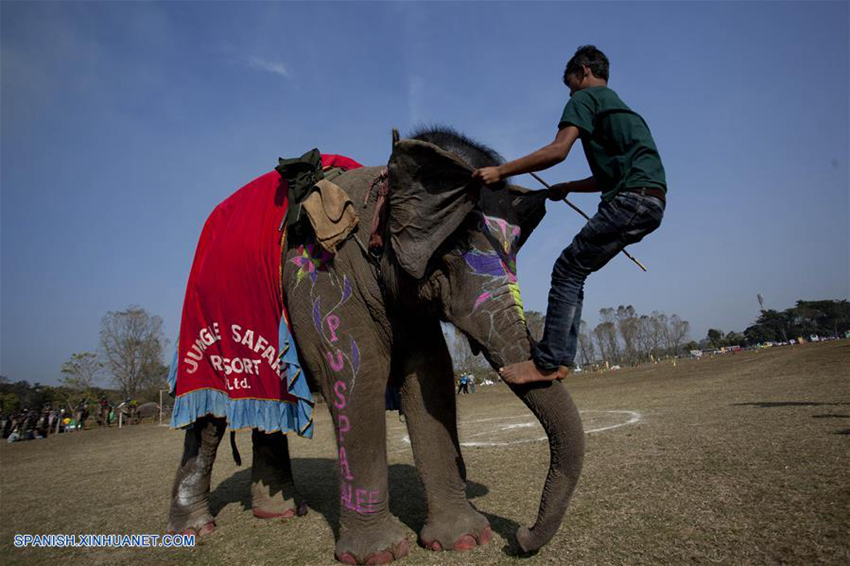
625,220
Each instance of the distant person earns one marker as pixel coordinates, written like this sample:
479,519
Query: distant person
103,413
463,385
5,425
626,168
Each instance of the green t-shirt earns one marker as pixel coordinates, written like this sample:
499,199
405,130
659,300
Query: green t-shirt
616,140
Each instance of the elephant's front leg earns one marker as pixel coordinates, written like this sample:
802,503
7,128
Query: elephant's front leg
428,401
190,508
355,395
273,492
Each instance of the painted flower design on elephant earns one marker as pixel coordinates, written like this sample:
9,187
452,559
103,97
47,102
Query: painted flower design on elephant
311,259
331,328
498,263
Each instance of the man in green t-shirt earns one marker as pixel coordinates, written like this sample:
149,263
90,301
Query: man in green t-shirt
626,169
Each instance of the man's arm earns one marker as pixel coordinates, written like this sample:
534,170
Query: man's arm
561,190
543,158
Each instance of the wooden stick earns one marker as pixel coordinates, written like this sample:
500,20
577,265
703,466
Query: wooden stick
586,217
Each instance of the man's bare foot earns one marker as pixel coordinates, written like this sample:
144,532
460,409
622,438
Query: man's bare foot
528,372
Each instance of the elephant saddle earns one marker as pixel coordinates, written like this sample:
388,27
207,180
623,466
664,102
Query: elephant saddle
235,355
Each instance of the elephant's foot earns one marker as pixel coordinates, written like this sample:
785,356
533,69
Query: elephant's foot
376,544
273,492
266,506
200,524
456,531
190,510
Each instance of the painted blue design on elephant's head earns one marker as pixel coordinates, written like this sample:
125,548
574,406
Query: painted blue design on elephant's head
317,314
355,356
498,261
346,289
505,239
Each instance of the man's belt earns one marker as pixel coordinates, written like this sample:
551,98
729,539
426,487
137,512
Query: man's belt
648,192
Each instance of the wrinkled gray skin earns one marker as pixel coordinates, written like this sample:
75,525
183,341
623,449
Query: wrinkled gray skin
361,322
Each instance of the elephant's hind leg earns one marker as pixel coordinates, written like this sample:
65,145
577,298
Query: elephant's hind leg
428,402
190,508
273,492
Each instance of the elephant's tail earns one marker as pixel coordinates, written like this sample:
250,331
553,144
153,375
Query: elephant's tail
236,457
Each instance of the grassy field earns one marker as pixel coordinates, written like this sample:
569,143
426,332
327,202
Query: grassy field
740,459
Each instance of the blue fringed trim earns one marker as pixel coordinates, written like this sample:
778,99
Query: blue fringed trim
296,382
262,414
196,404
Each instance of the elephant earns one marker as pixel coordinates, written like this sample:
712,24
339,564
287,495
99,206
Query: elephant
146,410
441,248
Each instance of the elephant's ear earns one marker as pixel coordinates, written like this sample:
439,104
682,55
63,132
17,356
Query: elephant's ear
530,207
518,205
431,192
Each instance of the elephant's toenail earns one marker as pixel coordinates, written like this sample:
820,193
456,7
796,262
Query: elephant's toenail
402,550
347,559
384,557
485,536
466,542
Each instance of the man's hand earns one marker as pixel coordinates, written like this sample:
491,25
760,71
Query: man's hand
488,175
558,191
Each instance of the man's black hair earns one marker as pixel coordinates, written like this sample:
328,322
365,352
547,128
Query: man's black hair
588,56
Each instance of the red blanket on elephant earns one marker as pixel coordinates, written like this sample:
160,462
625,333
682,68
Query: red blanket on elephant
233,305
235,356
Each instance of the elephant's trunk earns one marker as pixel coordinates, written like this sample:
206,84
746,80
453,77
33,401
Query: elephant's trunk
555,410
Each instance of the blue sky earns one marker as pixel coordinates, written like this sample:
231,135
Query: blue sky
122,125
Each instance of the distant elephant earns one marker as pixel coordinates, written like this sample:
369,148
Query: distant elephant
145,410
443,249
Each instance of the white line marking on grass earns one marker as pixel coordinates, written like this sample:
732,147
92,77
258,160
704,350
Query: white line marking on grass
634,417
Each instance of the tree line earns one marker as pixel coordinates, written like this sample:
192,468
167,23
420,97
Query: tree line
806,318
129,356
624,336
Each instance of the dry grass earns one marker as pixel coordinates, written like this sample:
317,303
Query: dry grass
738,459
